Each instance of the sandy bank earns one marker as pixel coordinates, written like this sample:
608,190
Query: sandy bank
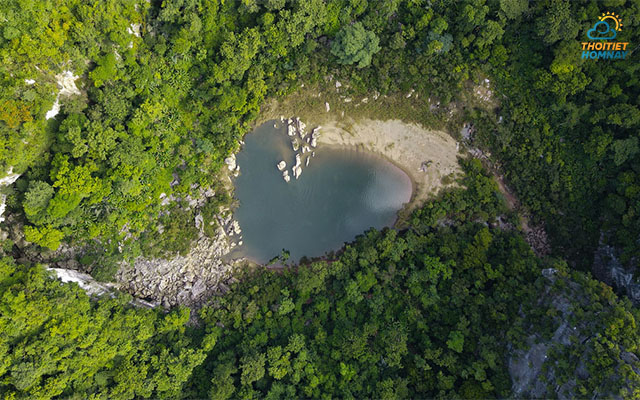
408,145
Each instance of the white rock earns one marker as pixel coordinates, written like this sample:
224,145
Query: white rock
29,81
297,171
54,110
348,100
231,162
134,29
3,206
67,82
282,165
295,145
199,221
291,131
338,84
326,105
307,163
10,178
314,142
306,149
85,281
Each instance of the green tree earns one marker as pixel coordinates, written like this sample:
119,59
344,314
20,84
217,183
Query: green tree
514,8
355,45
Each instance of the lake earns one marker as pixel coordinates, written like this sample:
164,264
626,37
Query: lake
339,195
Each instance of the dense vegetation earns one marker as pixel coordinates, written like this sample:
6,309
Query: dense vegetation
167,89
177,99
428,312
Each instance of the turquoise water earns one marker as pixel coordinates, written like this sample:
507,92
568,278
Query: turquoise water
341,194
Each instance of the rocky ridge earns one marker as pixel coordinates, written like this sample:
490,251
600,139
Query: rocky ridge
182,280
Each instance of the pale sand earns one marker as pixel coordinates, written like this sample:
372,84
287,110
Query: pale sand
407,145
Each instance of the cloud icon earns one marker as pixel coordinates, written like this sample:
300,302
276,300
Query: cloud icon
601,31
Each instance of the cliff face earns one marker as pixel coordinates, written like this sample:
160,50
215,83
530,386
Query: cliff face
608,268
575,343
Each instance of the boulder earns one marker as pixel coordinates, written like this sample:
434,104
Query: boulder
297,171
231,162
282,165
291,131
326,105
198,288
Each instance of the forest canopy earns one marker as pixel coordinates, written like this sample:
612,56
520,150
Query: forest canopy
107,107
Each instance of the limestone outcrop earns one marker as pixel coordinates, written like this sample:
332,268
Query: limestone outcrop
182,280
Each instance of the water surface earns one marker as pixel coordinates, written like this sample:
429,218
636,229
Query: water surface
340,194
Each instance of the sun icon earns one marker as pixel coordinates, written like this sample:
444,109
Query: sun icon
615,18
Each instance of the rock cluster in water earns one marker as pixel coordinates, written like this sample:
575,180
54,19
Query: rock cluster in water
301,143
